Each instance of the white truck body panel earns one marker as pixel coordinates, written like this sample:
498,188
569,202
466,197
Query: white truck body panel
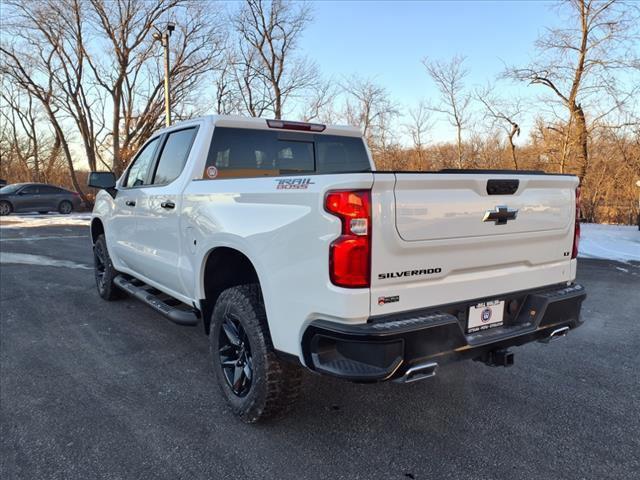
419,221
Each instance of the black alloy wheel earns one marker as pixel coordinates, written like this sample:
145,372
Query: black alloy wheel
104,272
256,383
99,262
235,356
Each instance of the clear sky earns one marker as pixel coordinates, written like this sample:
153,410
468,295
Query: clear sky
387,40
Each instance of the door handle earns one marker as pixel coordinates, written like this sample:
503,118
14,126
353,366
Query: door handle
168,205
130,203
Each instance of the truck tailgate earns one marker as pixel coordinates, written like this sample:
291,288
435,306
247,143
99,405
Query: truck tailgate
440,238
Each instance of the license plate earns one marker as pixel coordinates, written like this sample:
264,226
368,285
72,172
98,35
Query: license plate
485,315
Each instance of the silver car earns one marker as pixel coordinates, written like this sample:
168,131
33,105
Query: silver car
37,197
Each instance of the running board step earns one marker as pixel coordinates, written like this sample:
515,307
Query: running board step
181,316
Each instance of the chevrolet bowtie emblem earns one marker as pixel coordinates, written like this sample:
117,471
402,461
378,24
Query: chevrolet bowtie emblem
501,215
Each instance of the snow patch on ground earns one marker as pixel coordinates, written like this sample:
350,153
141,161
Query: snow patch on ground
612,242
40,260
45,220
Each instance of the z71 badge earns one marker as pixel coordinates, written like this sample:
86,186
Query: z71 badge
293,183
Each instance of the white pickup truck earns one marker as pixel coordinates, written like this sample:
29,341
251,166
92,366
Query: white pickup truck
291,249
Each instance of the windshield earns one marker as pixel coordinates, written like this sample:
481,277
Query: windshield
10,188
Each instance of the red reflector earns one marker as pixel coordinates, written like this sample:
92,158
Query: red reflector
576,230
303,126
350,254
349,262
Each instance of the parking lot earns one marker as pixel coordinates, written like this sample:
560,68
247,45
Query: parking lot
91,389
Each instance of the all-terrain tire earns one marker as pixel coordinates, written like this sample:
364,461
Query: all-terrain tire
274,385
104,271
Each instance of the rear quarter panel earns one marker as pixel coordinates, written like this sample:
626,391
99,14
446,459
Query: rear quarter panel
286,235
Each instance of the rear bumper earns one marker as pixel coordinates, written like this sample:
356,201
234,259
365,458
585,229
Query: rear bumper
388,347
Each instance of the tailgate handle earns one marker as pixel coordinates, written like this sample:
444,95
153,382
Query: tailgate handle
497,186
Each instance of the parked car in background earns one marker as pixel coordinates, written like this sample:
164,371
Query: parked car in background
37,197
3,182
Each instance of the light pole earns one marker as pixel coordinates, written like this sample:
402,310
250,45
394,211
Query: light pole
163,38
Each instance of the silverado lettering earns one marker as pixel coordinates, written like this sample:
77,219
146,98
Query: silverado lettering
409,273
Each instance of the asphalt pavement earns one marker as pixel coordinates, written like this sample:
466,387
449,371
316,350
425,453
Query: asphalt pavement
92,389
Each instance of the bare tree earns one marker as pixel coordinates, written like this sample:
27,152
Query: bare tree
320,104
503,113
59,25
227,100
252,90
581,63
98,65
449,79
368,106
130,70
32,71
418,126
269,32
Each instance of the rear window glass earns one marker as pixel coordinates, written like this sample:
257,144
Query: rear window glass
237,152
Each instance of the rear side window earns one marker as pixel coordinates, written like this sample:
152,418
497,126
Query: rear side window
30,190
244,153
139,170
50,190
174,155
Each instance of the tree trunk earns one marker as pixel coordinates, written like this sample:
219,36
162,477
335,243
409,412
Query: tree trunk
582,134
67,153
115,126
278,102
459,146
514,131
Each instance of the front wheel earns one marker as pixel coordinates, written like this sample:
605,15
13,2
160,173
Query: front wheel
104,271
65,207
254,381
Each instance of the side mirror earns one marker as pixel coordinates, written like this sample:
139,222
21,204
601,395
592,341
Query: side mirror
102,180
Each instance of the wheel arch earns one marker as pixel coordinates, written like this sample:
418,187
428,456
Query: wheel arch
234,267
97,229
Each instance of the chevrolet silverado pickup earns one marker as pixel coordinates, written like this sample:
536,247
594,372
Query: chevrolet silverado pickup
293,251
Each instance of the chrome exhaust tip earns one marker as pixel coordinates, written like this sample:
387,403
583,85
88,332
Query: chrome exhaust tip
419,372
557,333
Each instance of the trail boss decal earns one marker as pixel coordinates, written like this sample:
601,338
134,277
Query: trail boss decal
409,273
293,183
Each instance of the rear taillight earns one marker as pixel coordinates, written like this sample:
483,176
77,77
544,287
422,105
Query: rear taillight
576,231
350,253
